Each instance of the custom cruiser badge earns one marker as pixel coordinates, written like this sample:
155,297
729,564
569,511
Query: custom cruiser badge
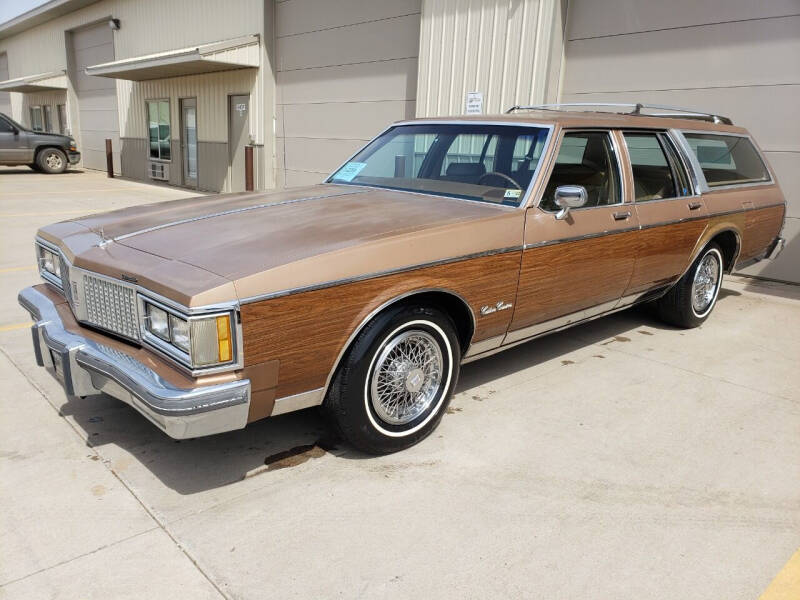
487,310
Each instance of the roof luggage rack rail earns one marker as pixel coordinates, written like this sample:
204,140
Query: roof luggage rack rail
636,109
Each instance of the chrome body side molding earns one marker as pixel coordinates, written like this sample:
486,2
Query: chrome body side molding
299,401
366,276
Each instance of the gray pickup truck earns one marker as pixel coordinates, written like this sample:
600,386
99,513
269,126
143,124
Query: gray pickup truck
44,152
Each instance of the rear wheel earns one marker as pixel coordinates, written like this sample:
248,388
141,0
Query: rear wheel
396,380
52,160
691,300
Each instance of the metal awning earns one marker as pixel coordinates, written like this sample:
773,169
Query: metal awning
43,82
238,53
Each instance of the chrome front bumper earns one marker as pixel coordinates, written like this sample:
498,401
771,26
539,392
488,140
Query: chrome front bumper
85,367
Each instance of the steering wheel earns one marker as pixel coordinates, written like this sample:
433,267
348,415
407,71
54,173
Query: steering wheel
503,175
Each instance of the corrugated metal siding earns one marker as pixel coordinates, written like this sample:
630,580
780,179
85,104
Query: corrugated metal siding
148,26
211,90
346,70
508,49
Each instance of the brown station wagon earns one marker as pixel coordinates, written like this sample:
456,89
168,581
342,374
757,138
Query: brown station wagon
442,241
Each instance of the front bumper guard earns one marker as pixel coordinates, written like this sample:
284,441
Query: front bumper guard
86,367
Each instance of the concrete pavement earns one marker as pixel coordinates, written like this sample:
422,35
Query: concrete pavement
620,459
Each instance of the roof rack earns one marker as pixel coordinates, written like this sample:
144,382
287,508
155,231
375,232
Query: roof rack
636,109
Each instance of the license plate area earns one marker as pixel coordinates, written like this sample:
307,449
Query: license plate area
58,365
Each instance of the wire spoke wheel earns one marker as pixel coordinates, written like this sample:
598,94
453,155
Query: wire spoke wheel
705,283
406,377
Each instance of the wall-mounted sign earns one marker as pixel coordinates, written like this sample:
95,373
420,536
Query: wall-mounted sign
241,108
474,105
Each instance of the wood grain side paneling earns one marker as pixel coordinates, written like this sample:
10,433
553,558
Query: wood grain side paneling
761,226
568,277
306,331
663,253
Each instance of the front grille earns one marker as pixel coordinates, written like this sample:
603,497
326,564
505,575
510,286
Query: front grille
111,306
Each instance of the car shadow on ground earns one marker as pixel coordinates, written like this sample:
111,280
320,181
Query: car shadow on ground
29,171
201,464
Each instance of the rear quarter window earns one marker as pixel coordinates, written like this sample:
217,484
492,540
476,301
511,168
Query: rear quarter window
727,159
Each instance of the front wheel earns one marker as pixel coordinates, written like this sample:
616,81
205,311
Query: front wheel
691,300
52,160
396,380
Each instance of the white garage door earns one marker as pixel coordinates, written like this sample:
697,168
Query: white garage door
736,58
97,96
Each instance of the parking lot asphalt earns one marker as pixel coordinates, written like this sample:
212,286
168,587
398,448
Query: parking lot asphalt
620,459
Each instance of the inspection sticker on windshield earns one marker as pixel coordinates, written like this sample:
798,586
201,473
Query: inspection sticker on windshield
349,171
512,193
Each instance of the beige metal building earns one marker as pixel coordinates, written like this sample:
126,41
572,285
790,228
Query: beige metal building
182,86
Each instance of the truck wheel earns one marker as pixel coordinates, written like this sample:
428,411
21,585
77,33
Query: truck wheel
52,160
395,382
691,300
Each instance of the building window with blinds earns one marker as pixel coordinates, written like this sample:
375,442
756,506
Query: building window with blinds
159,129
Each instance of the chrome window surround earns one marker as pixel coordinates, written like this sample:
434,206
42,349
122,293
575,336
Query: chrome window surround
617,155
679,152
703,187
150,341
528,191
46,275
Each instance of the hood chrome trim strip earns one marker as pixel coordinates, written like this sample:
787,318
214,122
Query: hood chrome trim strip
232,211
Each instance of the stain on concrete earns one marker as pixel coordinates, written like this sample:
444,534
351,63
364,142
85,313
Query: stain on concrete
598,356
478,399
297,455
567,362
99,490
617,338
451,410
643,332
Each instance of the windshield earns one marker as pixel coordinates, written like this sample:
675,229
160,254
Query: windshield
487,163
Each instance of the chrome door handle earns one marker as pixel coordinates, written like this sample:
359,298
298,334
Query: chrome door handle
621,216
695,205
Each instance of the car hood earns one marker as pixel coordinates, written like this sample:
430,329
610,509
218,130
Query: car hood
266,243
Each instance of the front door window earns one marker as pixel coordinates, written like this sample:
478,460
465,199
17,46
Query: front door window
585,158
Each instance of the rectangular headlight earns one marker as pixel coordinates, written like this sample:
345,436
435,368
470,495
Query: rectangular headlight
207,341
49,262
158,322
180,333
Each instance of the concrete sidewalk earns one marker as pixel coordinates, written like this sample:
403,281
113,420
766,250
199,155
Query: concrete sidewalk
620,459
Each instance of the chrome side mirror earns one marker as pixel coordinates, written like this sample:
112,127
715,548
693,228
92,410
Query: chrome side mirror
567,197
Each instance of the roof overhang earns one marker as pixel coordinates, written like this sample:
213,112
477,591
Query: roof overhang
238,53
41,14
43,82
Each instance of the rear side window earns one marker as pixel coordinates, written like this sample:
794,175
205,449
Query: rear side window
727,159
653,178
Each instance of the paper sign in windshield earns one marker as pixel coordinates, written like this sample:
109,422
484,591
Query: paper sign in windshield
512,194
349,171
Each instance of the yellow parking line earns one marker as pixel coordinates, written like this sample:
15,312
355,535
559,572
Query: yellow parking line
786,585
15,326
15,269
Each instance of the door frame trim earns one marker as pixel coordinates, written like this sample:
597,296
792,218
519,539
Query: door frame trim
228,132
